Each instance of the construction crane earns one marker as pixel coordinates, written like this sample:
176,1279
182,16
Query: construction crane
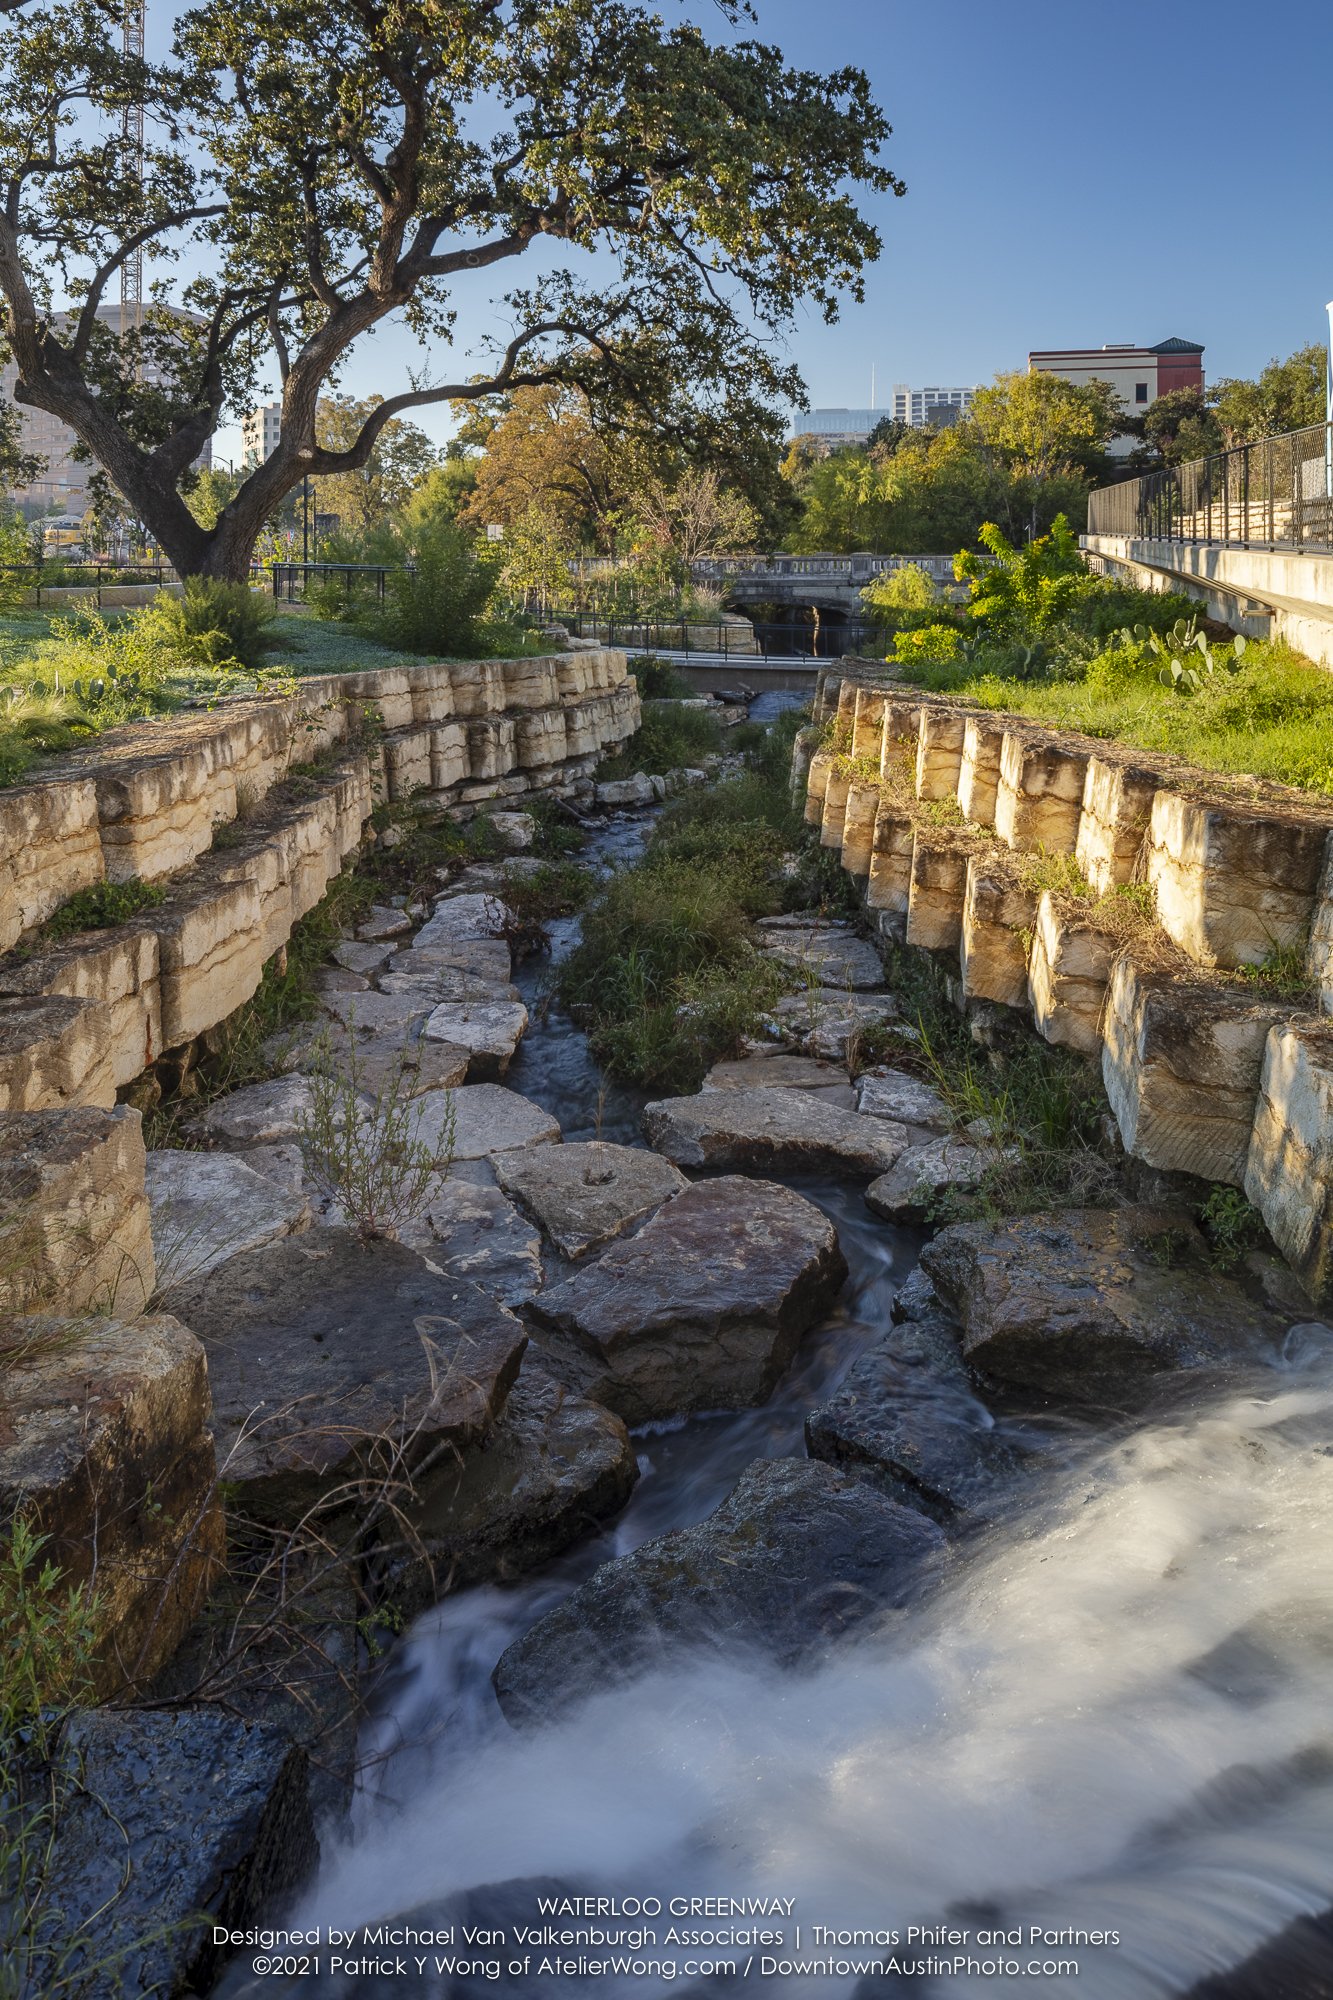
131,271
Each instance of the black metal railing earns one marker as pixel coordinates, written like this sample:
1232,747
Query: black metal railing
291,582
90,577
1277,493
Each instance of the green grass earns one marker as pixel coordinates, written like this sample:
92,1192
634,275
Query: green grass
668,738
1272,718
103,904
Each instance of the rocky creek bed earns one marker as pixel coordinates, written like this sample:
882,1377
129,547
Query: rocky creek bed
759,1544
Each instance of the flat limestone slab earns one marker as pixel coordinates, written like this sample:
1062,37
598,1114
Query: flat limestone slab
777,1070
446,982
795,1556
207,1207
891,1093
1087,1305
355,955
379,925
259,1114
1234,881
475,1233
704,1307
585,1194
832,958
322,1346
773,1131
464,920
906,1192
831,1024
490,1031
486,960
486,1118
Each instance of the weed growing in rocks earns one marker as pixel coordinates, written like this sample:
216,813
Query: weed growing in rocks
100,906
364,1150
1232,1225
668,737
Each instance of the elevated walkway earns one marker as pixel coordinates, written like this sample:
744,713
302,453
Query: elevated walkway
1263,592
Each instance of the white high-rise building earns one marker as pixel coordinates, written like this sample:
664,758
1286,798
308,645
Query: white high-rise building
920,407
261,431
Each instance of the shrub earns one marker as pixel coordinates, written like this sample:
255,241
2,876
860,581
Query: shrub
363,1150
658,679
909,588
222,624
435,607
1023,590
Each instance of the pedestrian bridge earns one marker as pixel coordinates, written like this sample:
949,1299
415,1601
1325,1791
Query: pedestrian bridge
1248,532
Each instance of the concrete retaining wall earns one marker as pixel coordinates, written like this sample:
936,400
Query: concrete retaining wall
1207,1073
1281,593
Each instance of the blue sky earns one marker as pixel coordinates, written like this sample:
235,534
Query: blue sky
1076,175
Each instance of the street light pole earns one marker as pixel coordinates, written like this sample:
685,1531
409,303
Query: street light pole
305,518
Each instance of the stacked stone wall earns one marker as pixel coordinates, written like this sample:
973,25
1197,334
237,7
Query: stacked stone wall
1208,1071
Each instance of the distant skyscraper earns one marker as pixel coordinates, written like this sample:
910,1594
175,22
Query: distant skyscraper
261,431
920,407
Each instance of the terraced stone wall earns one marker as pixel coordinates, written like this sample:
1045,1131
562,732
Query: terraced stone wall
189,802
932,806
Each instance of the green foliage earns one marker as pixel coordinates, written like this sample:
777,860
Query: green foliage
666,976
224,625
928,644
102,905
1044,424
668,738
18,565
48,1633
909,588
1232,1225
1023,590
436,607
1287,396
658,679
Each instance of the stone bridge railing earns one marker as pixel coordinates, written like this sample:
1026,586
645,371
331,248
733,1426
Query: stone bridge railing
154,800
1209,1070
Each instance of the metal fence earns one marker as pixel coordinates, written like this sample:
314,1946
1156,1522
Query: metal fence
92,577
361,582
1275,494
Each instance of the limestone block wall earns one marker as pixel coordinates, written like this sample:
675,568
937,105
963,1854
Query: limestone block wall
1207,1073
189,803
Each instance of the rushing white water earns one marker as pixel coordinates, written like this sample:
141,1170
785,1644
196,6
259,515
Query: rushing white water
1114,1716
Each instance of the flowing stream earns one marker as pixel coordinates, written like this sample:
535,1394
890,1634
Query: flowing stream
1113,1717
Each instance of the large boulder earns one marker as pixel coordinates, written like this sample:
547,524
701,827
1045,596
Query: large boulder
166,1818
326,1353
584,1195
905,1416
553,1468
473,1232
772,1131
1089,1304
703,1308
104,1446
207,1207
795,1556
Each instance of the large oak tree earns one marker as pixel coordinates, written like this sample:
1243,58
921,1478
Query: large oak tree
311,170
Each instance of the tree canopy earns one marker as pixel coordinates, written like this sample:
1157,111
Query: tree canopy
310,171
1287,395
